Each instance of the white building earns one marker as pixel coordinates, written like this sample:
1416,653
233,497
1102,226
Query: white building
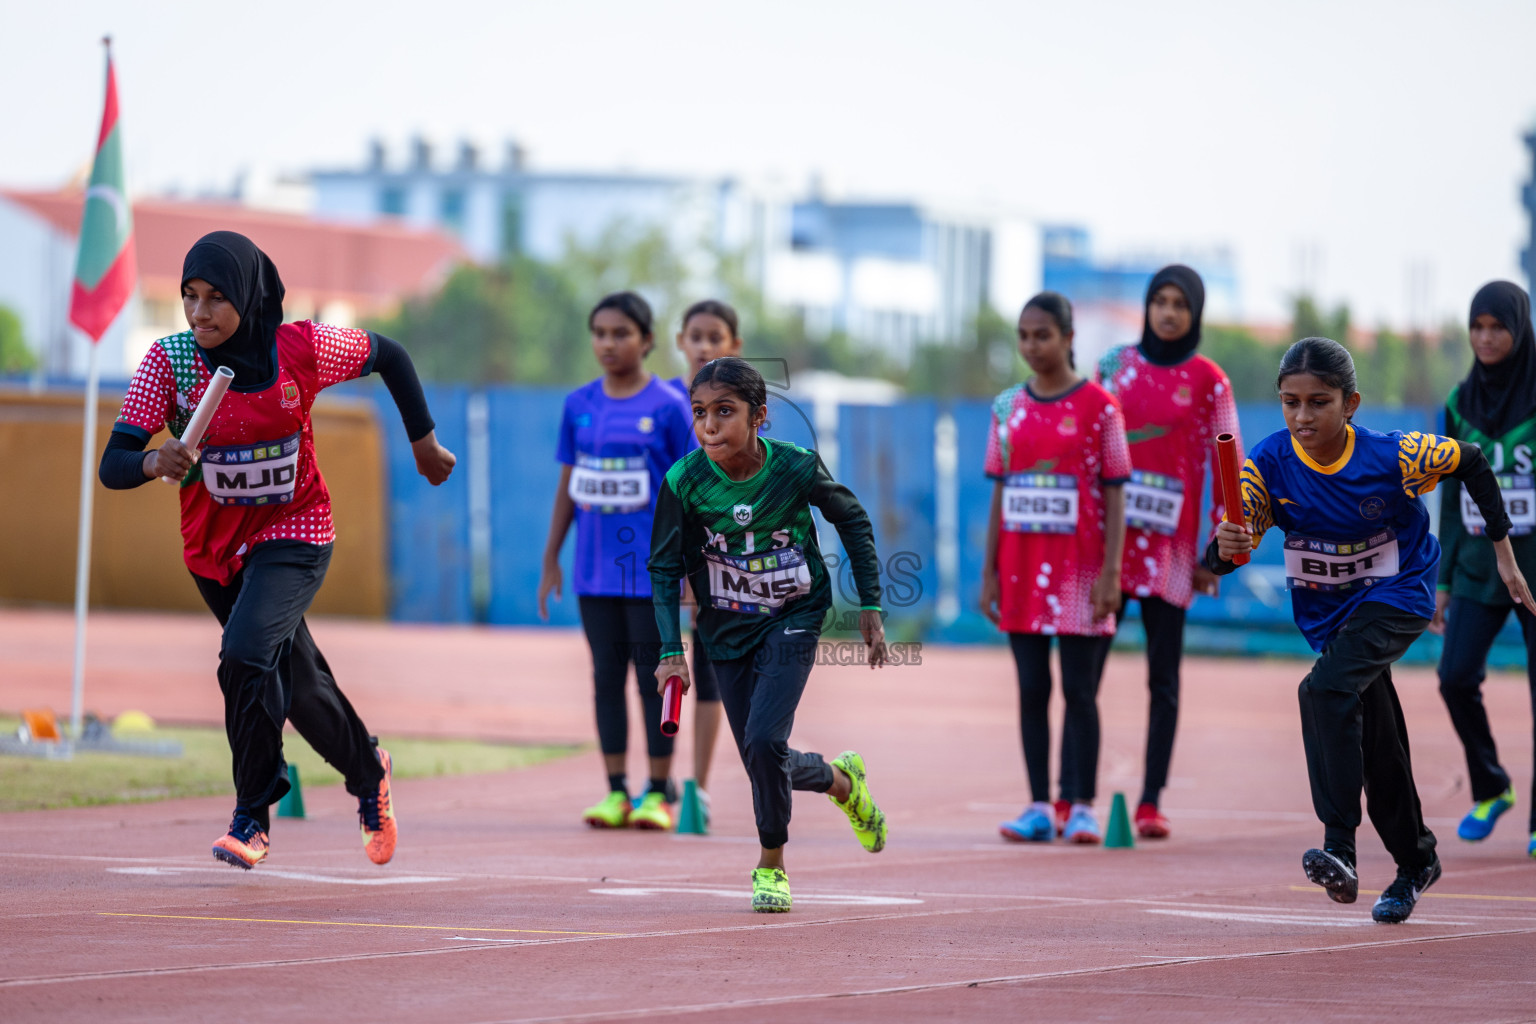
889,275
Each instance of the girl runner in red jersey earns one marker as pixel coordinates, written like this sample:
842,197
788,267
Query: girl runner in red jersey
1057,452
256,517
710,330
1175,403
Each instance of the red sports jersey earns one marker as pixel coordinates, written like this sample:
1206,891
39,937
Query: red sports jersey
1172,417
1054,457
257,479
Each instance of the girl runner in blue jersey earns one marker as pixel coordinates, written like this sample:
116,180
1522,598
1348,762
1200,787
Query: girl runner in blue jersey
1361,564
618,436
710,330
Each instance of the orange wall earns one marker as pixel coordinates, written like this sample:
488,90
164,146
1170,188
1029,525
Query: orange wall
136,535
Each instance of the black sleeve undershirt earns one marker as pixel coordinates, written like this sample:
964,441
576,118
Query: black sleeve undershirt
122,464
392,363
1474,473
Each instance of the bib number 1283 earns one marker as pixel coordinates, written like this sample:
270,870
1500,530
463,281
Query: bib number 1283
1040,503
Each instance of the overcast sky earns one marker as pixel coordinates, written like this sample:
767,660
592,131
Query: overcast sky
1379,136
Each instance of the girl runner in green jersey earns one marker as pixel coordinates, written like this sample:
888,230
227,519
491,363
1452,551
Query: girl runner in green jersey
734,517
1494,408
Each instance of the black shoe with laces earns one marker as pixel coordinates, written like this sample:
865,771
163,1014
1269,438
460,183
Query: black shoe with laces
1395,904
1332,872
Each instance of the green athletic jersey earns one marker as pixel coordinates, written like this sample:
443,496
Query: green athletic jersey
1467,566
749,548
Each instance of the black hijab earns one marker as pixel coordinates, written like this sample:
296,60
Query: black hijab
232,264
1496,399
1168,353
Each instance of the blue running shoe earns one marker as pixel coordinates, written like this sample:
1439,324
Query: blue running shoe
1033,826
1479,822
1530,849
1083,827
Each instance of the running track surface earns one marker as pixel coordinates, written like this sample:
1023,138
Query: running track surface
501,906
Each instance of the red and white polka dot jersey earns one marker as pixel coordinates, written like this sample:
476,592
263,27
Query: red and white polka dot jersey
1054,457
1172,417
257,479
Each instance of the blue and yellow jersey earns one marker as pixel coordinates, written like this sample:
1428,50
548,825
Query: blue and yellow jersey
1356,530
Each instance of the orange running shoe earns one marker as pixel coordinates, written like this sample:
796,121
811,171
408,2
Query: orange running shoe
245,846
376,814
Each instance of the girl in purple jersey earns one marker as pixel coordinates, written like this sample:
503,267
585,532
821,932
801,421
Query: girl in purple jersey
618,437
710,330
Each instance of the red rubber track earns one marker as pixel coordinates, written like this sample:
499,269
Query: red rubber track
501,906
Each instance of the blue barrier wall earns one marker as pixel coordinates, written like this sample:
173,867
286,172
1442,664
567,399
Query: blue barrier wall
429,558
523,428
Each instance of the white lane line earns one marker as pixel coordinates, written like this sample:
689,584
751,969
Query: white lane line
819,899
1301,918
674,1011
297,876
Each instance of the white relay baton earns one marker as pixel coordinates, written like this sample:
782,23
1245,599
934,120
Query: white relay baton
206,407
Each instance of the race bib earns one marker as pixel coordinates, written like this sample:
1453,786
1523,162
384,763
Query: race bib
1312,564
621,484
1519,505
757,584
1154,502
252,474
1040,503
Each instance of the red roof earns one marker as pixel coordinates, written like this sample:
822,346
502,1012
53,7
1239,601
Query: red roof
372,267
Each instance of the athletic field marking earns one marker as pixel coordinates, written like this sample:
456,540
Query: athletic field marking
1302,919
824,900
664,1011
297,876
1437,895
363,924
755,927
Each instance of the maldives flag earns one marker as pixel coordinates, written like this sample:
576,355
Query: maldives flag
105,270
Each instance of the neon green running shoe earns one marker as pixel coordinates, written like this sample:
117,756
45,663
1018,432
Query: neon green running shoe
652,814
868,820
770,891
612,812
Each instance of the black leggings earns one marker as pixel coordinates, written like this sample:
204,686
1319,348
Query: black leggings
1470,629
1355,738
1164,625
706,687
1082,666
621,630
270,670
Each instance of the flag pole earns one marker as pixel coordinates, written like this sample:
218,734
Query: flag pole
87,492
83,551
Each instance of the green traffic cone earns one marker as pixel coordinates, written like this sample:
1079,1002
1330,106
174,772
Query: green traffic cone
292,803
690,813
1119,835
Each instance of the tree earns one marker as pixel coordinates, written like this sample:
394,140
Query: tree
15,356
1250,364
1309,320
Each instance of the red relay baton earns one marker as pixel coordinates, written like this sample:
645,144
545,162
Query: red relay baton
671,705
1229,467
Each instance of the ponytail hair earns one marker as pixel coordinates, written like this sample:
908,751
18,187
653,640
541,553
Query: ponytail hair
737,376
1324,359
